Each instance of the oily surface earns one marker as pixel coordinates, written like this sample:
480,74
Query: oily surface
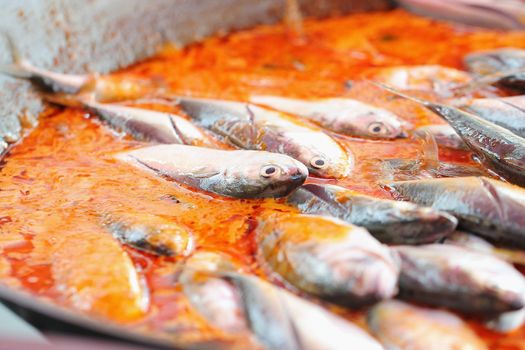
58,182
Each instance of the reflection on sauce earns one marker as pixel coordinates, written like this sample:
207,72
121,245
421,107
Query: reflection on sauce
56,182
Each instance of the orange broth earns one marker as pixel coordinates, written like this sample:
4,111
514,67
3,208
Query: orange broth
56,182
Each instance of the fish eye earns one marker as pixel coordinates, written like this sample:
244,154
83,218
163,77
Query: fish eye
377,128
318,162
268,171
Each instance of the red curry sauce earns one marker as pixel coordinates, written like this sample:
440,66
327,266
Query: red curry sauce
55,184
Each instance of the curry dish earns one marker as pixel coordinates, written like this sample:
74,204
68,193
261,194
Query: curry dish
62,183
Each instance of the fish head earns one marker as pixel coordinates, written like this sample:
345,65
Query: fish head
376,123
329,258
325,159
265,174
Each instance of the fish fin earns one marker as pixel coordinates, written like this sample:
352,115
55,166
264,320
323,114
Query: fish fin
253,127
177,131
202,174
401,94
16,67
429,158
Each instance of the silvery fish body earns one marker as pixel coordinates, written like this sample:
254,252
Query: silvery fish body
507,112
327,258
252,127
149,125
461,279
506,14
239,173
243,305
391,222
488,207
476,243
402,326
342,115
493,61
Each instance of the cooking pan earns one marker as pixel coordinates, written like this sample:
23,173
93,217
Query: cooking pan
77,36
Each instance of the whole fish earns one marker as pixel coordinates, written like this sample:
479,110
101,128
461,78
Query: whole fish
488,207
241,304
498,148
507,112
252,127
328,258
494,61
431,78
508,14
402,326
476,243
389,221
409,169
444,134
151,233
100,88
149,125
342,115
461,279
238,174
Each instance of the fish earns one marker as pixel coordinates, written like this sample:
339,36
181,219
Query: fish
507,14
402,326
490,208
460,279
240,304
101,88
94,275
410,169
247,126
327,258
389,221
435,78
476,243
230,173
507,112
150,233
493,61
444,135
93,84
142,124
496,147
342,115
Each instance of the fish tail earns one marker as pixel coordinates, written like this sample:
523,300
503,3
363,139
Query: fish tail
429,158
18,66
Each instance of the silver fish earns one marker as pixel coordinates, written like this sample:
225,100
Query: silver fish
444,134
430,78
342,115
149,125
252,127
239,173
494,61
488,207
402,326
498,148
461,279
389,221
506,14
151,233
507,112
409,169
476,243
328,258
239,304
